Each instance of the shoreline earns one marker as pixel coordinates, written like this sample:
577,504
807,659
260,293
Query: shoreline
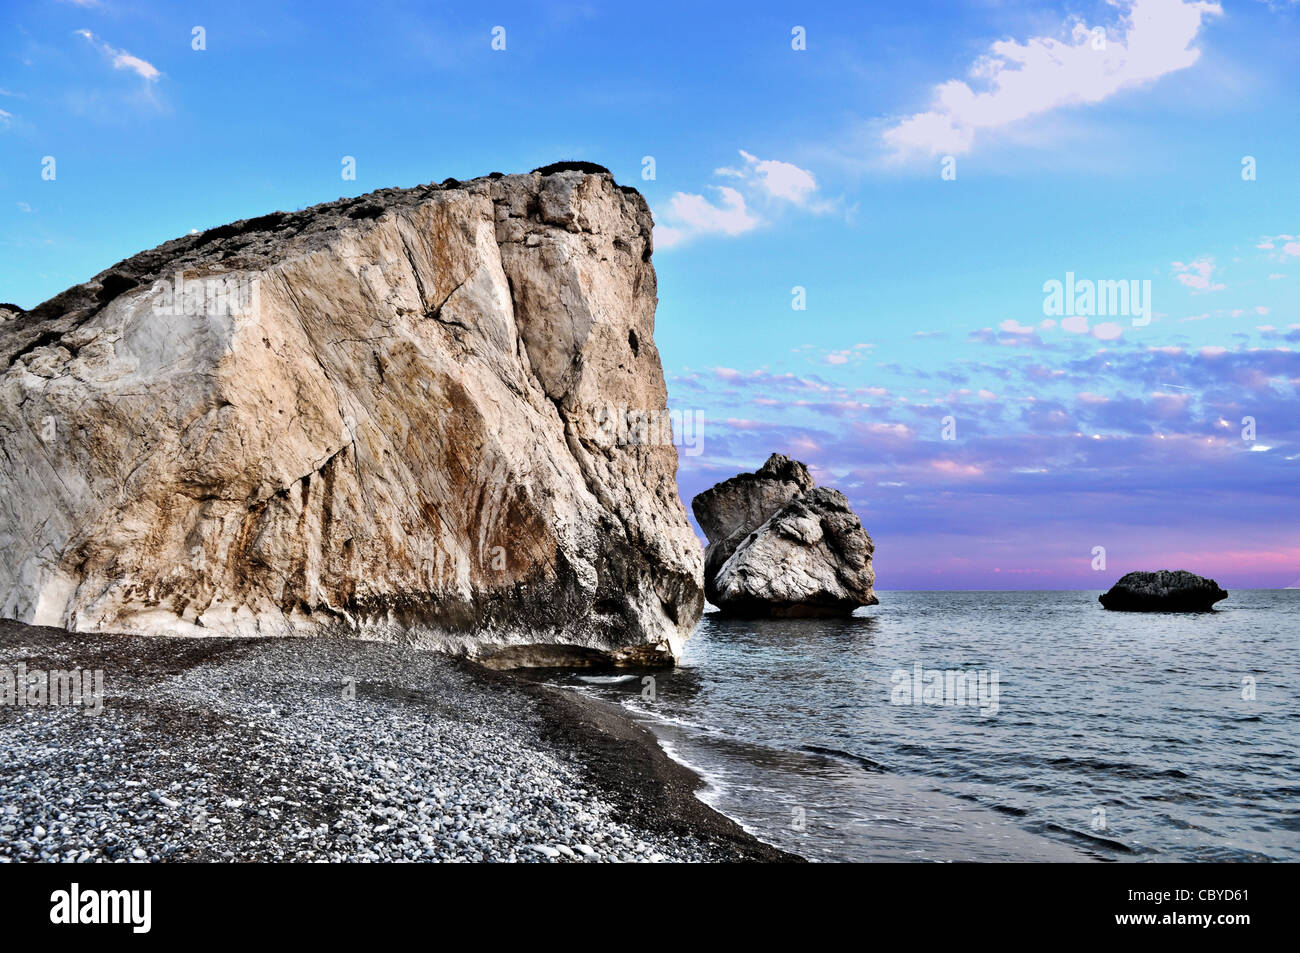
626,761
761,783
233,749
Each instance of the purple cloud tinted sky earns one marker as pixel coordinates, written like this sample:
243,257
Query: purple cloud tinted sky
1136,449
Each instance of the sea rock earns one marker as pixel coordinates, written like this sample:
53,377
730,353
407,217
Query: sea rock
1163,591
730,510
386,417
779,546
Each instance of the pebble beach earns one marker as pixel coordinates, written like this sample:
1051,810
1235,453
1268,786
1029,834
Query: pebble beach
312,750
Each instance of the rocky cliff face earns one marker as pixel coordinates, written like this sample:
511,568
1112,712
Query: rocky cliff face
778,546
386,416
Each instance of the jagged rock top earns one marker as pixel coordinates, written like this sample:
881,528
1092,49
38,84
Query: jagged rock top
741,503
254,244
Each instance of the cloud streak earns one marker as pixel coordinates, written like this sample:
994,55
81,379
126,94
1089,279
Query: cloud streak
121,59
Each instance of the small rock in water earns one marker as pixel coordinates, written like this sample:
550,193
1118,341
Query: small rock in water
1163,591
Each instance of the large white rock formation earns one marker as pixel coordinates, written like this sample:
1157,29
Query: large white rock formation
384,417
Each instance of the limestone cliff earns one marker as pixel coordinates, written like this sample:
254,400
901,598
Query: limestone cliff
383,417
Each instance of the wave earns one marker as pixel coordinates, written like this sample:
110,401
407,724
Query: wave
1088,837
865,763
606,679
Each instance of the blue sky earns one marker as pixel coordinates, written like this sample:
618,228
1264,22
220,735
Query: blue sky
1101,139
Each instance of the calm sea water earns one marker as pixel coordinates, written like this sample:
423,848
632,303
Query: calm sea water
1116,736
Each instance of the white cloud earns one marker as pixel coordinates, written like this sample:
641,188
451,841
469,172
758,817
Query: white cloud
767,182
696,215
122,59
1105,331
782,180
844,356
1290,245
1011,326
1198,274
1044,74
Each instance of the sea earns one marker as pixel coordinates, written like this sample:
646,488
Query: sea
992,726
